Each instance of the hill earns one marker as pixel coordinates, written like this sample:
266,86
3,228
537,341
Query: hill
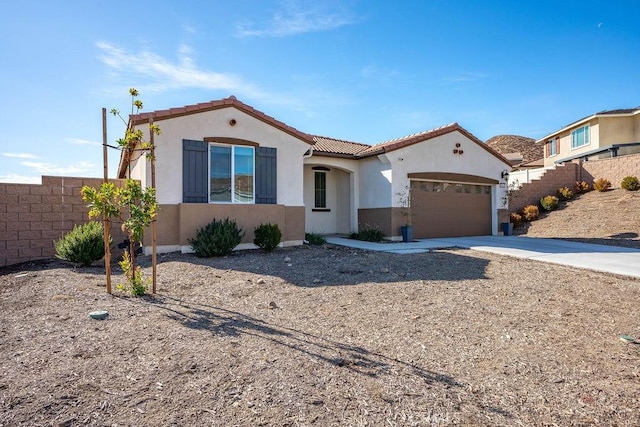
610,218
504,144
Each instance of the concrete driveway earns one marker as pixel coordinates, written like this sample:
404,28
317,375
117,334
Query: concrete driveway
609,259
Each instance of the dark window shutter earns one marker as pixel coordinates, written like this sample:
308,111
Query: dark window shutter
195,167
266,176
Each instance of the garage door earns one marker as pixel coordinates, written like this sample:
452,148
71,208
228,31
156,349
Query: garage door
450,209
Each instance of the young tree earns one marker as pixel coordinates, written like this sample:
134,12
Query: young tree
132,205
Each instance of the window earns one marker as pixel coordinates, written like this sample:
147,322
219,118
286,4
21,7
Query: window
553,147
231,174
320,189
580,137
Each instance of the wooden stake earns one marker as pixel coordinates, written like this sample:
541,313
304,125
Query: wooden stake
153,222
107,246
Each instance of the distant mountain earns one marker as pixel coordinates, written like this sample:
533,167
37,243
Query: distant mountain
505,144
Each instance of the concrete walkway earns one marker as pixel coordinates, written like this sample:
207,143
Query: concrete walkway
609,259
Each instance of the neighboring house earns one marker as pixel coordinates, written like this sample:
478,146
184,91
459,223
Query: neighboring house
225,159
605,134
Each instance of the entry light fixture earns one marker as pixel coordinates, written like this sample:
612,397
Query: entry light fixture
504,174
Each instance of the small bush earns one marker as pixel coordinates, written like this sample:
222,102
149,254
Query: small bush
630,183
516,219
601,184
267,236
549,203
582,187
135,283
531,212
368,235
315,238
565,193
83,245
218,238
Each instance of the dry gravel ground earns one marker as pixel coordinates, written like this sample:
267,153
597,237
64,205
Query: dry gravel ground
322,336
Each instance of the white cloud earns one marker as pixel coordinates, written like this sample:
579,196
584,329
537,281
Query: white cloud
20,155
298,17
53,169
78,141
164,75
20,179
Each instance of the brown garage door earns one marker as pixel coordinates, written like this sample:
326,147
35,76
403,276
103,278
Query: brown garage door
449,209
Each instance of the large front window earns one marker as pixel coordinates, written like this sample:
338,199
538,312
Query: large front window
580,137
231,174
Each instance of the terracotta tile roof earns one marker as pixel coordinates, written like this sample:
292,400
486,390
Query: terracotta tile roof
231,101
337,147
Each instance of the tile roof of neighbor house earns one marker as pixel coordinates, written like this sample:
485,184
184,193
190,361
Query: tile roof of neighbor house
617,112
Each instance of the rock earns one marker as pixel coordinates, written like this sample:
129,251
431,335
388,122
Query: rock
260,281
99,314
287,259
317,280
273,305
385,270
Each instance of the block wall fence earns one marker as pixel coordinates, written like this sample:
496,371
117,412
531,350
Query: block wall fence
33,216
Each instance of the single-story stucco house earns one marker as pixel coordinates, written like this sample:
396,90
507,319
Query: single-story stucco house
226,159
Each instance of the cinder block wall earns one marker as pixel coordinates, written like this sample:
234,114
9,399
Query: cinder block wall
614,169
33,216
530,193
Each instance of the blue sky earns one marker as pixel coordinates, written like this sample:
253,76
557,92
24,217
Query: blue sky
365,71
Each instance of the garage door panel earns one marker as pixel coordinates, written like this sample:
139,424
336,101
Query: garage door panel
448,209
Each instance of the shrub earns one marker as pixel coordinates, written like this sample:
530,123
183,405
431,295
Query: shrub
630,183
368,235
565,193
531,212
516,219
549,203
582,187
601,184
218,238
267,236
314,238
83,245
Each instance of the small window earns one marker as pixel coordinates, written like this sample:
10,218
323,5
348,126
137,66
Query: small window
552,147
320,190
459,188
580,137
436,187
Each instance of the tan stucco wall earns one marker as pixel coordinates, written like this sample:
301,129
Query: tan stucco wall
176,224
216,124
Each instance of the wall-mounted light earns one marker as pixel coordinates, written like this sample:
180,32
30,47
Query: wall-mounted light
504,174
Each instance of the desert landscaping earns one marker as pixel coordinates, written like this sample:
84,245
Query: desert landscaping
322,335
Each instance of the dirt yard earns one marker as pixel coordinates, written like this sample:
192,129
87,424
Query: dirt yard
321,336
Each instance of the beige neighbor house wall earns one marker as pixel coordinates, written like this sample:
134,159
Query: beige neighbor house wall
604,130
33,216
